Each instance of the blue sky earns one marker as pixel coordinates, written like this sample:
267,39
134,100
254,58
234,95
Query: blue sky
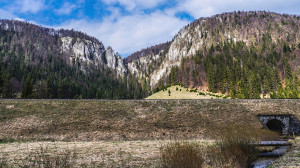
130,25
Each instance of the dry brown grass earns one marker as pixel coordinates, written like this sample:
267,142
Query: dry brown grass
181,155
94,120
236,146
92,154
42,158
127,130
291,159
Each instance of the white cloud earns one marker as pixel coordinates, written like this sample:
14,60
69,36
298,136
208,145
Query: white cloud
128,34
203,8
4,14
19,19
136,29
32,6
66,8
135,4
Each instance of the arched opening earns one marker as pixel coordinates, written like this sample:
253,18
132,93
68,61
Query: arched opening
275,125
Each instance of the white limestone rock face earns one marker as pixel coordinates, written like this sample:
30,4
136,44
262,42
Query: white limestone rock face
185,44
140,67
115,61
91,53
110,57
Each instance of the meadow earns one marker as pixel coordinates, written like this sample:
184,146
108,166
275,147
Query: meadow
125,133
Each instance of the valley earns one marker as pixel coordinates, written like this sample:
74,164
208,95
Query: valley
244,55
221,86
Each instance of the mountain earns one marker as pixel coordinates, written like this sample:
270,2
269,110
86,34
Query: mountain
240,54
38,62
243,54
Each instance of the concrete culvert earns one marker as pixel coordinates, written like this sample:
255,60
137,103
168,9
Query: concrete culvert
275,125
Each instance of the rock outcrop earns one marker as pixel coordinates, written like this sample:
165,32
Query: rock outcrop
200,35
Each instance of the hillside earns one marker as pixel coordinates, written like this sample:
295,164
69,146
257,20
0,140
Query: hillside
179,92
38,62
242,54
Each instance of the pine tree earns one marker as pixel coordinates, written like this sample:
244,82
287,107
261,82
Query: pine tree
211,78
1,81
50,91
28,88
281,93
8,91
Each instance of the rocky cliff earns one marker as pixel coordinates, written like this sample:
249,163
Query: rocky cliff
92,53
250,28
75,47
38,62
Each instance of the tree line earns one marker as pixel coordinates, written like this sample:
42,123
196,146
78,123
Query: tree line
240,70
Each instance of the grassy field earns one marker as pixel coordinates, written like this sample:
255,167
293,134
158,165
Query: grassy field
94,120
125,133
100,153
178,92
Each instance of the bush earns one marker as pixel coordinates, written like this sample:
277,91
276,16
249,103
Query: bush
193,90
236,146
181,155
201,93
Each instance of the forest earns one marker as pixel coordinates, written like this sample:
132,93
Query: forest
32,66
241,71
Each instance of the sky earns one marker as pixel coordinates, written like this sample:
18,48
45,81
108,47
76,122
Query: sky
130,25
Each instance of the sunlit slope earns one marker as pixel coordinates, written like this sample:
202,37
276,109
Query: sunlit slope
178,92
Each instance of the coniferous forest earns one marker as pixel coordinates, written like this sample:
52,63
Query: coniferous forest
241,71
264,64
32,66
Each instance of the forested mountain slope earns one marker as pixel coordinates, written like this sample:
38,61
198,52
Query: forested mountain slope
243,54
38,62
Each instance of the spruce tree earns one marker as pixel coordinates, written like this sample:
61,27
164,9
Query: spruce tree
211,78
50,91
28,89
1,81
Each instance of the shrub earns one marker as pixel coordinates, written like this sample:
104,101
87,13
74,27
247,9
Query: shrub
193,90
179,155
201,93
236,146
